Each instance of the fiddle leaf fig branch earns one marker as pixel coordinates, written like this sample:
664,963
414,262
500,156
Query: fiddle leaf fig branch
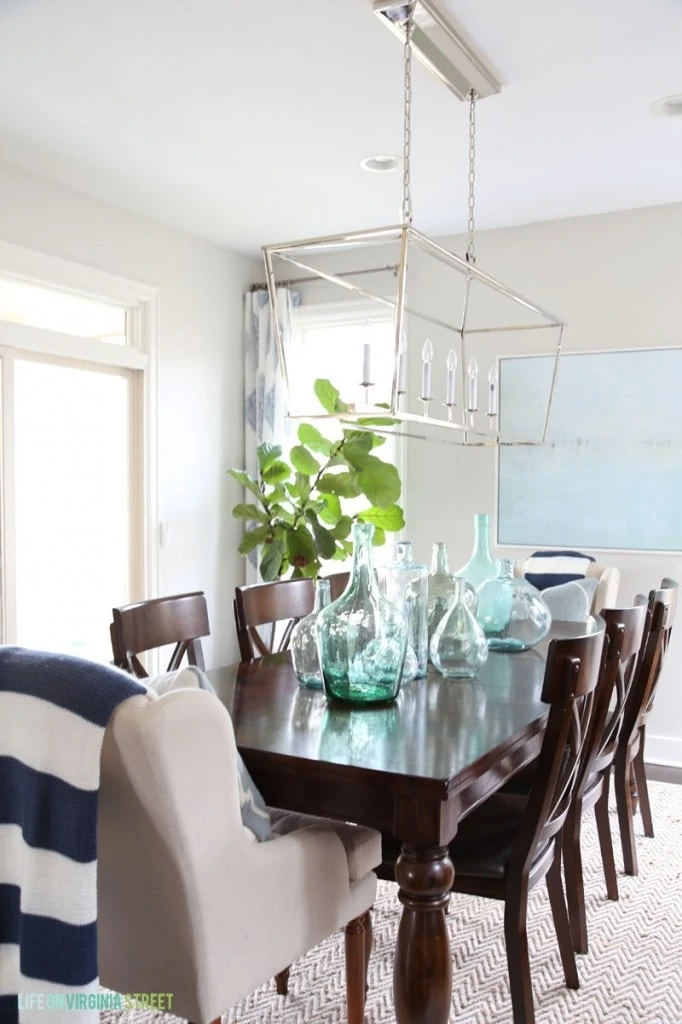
299,518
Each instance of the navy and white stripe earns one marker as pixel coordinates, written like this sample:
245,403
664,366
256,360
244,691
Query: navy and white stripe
53,713
551,568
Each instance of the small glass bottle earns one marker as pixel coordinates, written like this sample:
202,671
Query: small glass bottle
362,636
303,644
511,611
458,647
441,588
406,584
481,566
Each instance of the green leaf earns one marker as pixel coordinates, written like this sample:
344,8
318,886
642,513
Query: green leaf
346,485
356,448
379,482
378,421
276,472
252,538
267,453
271,562
303,462
251,512
300,547
379,538
324,541
342,528
312,438
390,518
331,513
279,514
328,396
245,480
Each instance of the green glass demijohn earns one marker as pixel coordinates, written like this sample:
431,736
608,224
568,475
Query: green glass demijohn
303,644
458,647
511,611
405,582
481,566
362,636
441,587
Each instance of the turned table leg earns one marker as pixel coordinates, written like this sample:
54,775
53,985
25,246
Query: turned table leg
422,971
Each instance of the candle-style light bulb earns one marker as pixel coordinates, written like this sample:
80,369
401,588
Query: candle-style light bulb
472,374
451,365
427,357
367,363
402,364
492,391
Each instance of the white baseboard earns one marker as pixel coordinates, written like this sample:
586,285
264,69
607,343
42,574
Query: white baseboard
665,750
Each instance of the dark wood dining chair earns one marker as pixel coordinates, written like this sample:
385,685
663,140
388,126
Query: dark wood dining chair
276,606
505,847
625,631
181,620
629,760
338,581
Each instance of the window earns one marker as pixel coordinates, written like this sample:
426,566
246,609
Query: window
329,341
74,376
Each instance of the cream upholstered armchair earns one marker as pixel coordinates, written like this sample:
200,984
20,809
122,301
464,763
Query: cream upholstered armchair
608,581
188,901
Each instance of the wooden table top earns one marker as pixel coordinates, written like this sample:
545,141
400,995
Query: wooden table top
440,734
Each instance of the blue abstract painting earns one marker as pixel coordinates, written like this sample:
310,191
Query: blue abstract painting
610,475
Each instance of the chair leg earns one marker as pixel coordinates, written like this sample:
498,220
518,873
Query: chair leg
356,969
518,963
621,781
573,874
561,922
282,982
601,813
369,940
643,790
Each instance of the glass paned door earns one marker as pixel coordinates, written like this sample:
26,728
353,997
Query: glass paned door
72,503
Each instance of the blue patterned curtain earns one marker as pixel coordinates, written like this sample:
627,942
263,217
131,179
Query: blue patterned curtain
264,391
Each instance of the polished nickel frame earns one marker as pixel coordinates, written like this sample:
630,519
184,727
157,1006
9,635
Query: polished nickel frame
467,433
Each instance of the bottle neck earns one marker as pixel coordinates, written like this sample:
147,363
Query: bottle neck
322,594
404,552
439,559
362,551
482,536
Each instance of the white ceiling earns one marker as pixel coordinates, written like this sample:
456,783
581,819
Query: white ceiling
244,122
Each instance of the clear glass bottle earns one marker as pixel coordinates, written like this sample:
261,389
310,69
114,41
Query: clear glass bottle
406,583
441,588
303,643
511,611
362,636
458,647
481,566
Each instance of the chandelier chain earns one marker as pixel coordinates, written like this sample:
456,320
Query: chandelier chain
471,225
407,115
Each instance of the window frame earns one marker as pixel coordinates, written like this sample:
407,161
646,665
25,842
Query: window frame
138,360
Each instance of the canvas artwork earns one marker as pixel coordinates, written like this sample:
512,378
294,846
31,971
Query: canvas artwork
610,475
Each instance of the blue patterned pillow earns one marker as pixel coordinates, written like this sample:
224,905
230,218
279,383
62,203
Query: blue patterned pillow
551,568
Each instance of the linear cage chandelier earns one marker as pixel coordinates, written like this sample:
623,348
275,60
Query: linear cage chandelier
461,321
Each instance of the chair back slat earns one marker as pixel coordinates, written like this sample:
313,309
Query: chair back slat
571,677
277,606
181,620
338,581
642,692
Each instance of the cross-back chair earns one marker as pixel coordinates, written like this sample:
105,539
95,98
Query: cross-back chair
180,619
265,615
625,631
629,760
511,842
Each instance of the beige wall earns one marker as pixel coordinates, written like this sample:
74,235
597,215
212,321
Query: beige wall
200,379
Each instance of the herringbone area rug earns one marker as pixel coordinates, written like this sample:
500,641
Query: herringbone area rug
632,974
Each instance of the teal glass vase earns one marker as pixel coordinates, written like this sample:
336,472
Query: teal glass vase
481,566
405,582
511,611
303,644
458,647
441,587
362,636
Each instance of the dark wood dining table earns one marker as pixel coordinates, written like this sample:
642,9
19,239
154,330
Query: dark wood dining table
412,769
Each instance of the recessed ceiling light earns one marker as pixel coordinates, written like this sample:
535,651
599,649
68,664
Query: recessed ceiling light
380,163
669,106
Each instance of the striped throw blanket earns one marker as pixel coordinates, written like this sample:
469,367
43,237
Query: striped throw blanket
53,713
